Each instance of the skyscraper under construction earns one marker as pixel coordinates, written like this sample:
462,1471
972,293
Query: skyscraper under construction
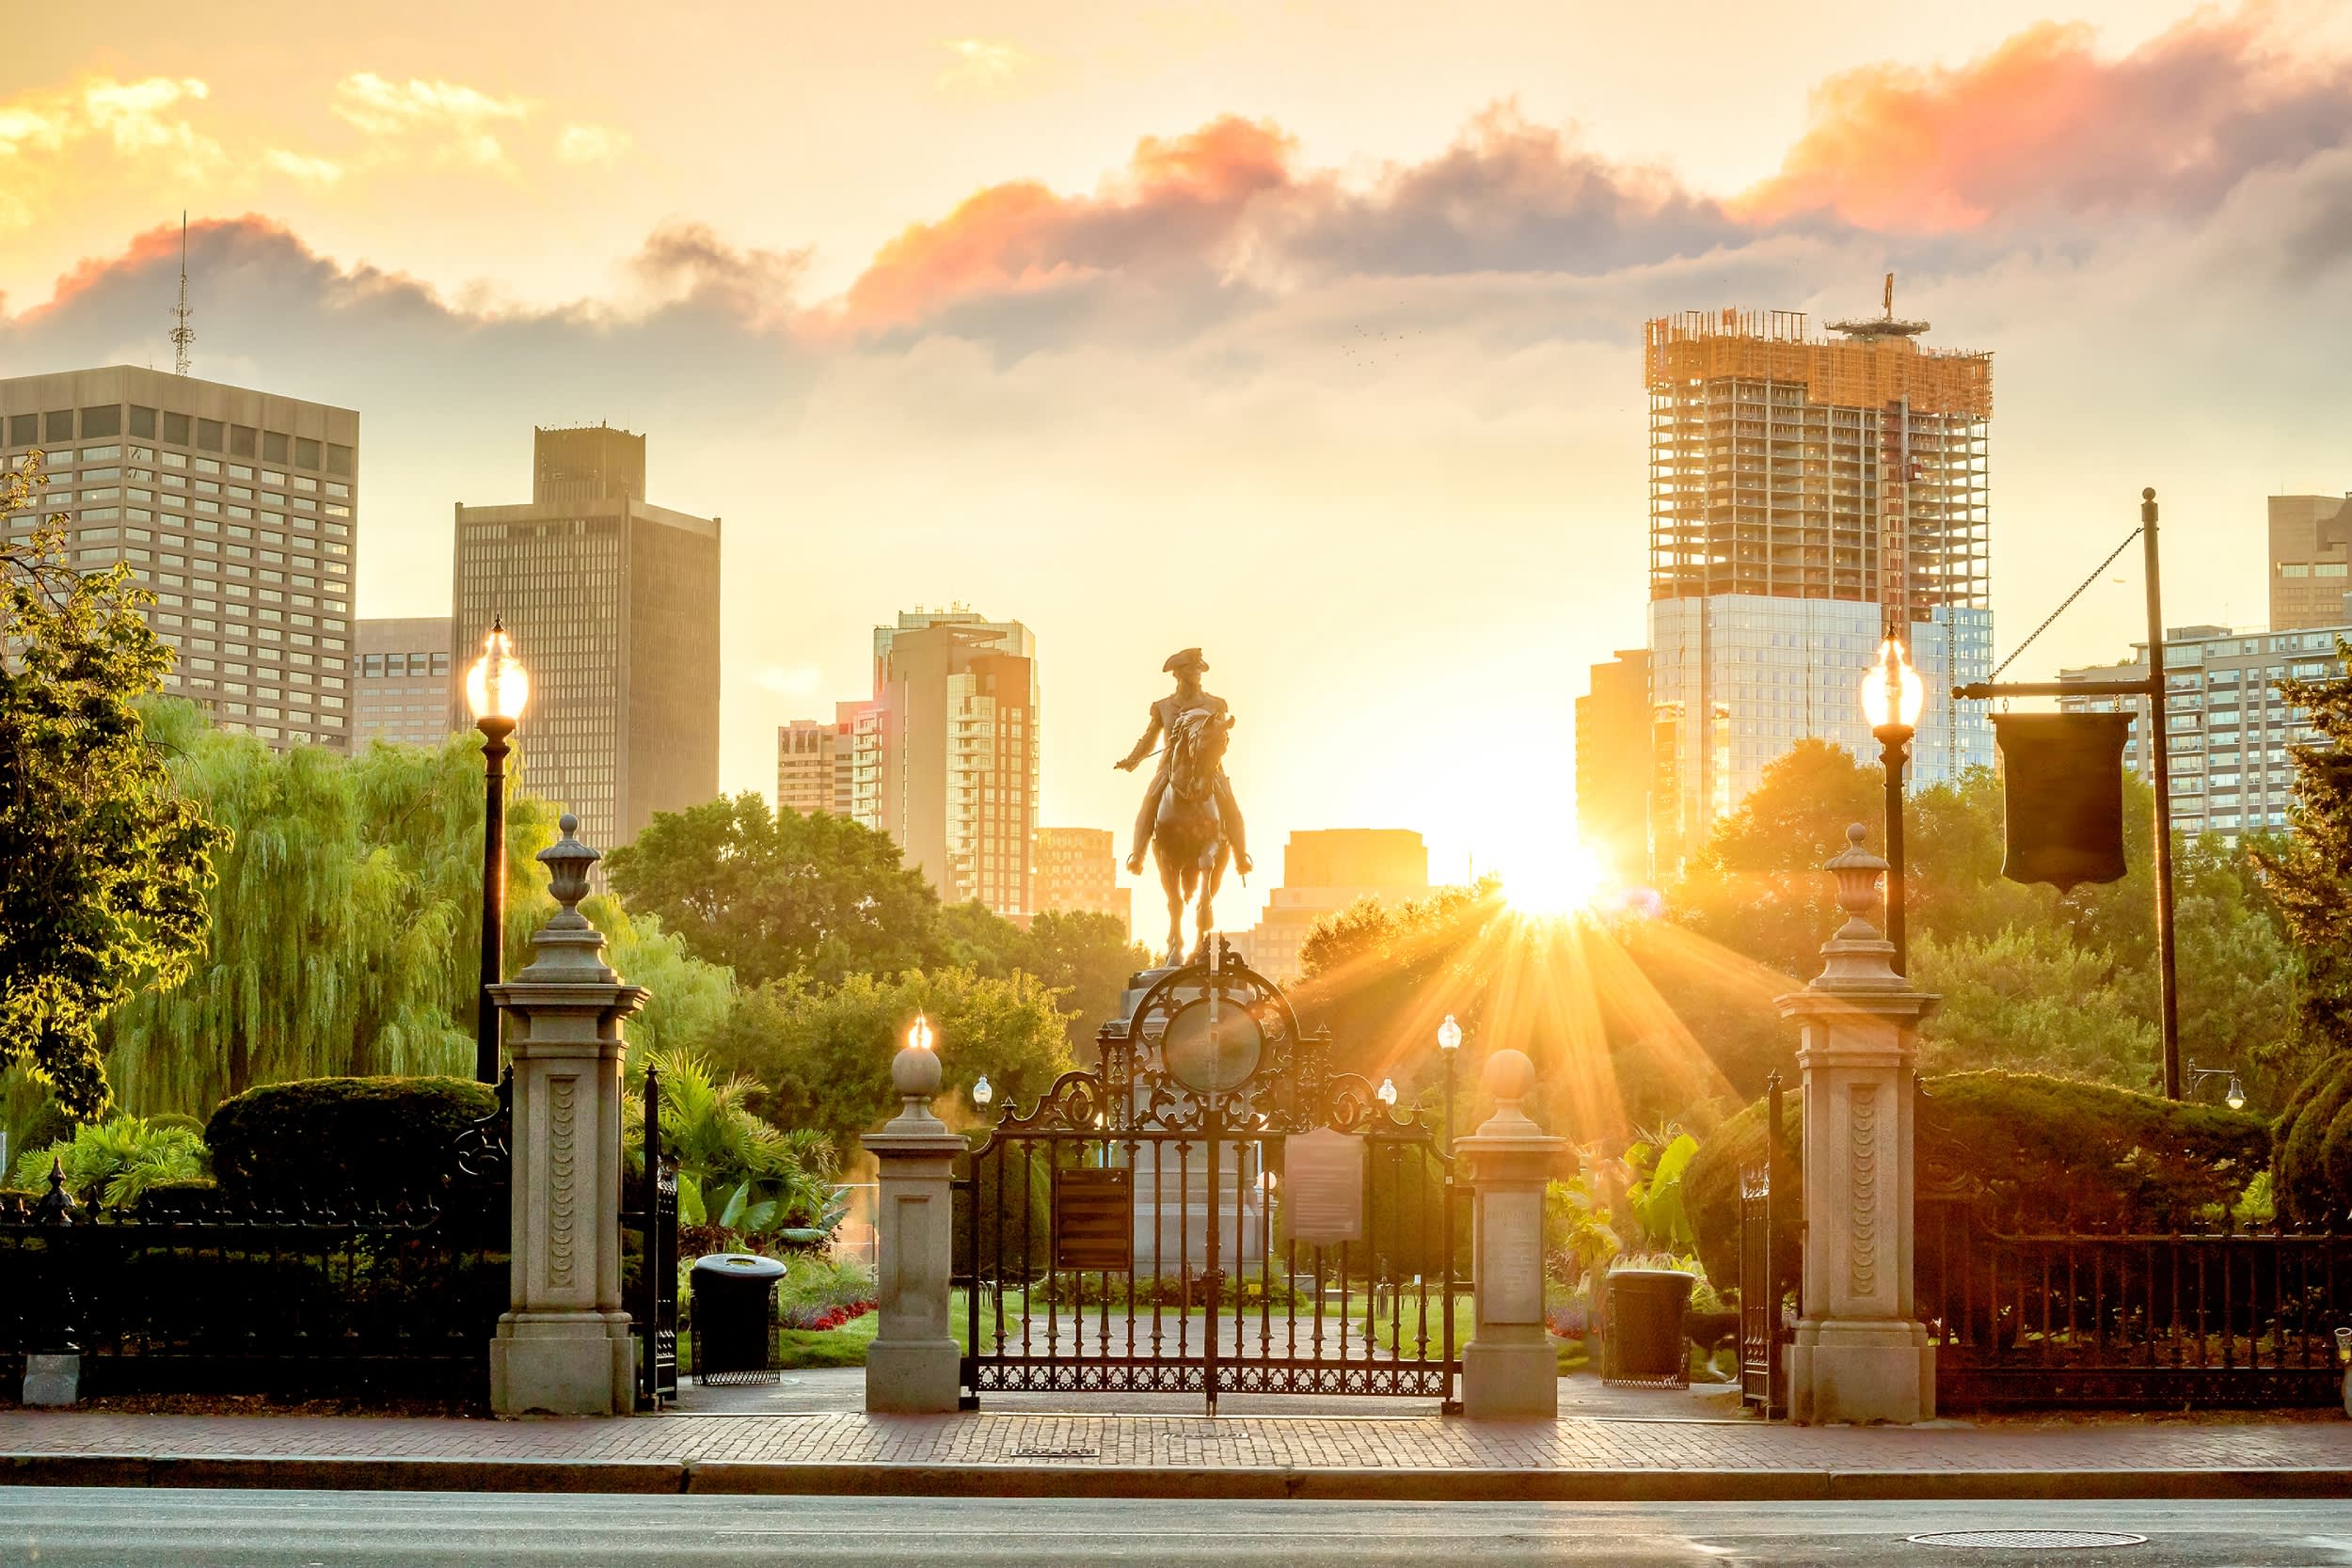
1808,496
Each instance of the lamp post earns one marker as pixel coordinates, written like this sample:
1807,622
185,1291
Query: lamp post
1449,1047
1892,695
496,687
983,1092
2233,1097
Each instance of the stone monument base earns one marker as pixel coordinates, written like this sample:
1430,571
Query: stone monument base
1861,1371
52,1379
1505,1380
912,1377
563,1364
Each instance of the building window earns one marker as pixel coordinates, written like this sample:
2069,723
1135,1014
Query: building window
103,421
176,429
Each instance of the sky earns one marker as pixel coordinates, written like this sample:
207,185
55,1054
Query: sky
1304,332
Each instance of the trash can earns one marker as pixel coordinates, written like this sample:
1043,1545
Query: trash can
1643,1348
732,1292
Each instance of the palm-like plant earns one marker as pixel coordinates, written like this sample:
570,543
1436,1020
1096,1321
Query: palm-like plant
734,1169
116,1160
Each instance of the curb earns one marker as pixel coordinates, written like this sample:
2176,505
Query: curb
725,1478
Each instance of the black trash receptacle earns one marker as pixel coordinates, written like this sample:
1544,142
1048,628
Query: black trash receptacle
732,1293
1644,1344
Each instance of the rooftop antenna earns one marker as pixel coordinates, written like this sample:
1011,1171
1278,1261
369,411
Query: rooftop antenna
181,333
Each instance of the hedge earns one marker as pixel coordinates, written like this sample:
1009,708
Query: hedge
2312,1170
2045,1150
372,1138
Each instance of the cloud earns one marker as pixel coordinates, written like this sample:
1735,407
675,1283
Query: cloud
988,68
144,119
458,118
688,262
2044,126
592,144
302,168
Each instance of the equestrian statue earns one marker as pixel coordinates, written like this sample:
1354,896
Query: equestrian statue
1188,821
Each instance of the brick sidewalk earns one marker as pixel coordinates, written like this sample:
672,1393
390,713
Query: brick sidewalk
1026,1451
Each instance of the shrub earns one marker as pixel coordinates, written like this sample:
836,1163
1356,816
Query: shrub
822,1293
2311,1167
370,1139
2054,1152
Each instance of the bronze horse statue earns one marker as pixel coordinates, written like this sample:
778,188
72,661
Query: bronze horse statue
1188,837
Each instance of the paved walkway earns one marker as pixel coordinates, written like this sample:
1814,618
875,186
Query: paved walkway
1675,1447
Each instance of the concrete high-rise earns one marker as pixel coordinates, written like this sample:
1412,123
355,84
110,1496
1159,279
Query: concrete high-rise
813,766
237,508
2310,561
945,758
1077,872
405,683
613,604
1808,496
1613,737
1324,871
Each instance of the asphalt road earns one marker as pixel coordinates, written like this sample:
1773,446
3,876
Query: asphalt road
159,1529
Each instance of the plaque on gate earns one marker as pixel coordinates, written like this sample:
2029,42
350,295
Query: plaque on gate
1094,1219
1323,1188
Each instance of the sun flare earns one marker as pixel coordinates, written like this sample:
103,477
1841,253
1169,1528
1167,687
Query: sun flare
1555,881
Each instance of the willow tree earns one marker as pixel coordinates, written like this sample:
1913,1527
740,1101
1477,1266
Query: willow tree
344,921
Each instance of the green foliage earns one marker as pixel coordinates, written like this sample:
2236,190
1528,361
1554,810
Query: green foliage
118,1160
2029,1000
816,1287
367,1137
736,1172
1086,958
2312,1168
2042,1150
772,896
2309,874
344,924
1654,1198
1578,1238
103,863
825,1051
690,999
1382,977
1757,888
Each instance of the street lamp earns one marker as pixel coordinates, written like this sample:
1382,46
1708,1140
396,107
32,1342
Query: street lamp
922,1036
2234,1097
1387,1092
1892,695
496,688
1449,1047
982,1091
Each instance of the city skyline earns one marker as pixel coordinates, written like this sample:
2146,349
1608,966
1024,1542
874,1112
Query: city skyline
1231,303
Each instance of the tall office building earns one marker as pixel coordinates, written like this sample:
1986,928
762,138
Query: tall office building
1324,871
2310,561
1613,736
1077,873
812,767
404,688
237,508
945,758
1808,496
613,604
2228,733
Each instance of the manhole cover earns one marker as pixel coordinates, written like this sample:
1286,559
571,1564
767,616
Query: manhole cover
2029,1540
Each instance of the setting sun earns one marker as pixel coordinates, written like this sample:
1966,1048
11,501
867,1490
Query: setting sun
1555,880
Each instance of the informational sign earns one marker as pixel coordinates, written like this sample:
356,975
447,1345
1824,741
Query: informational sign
1323,1188
1511,1259
1094,1219
2062,774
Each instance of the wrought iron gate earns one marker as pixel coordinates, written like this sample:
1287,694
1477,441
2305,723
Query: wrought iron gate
1216,1208
1764,1280
652,1296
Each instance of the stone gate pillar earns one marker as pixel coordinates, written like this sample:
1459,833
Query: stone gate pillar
1860,1354
564,1346
1509,1369
914,1366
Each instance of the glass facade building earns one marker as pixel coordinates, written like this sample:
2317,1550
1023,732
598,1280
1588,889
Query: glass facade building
237,509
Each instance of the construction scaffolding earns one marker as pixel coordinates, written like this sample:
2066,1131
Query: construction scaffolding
1792,465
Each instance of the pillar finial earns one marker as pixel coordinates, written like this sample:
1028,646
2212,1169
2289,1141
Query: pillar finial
569,947
1858,957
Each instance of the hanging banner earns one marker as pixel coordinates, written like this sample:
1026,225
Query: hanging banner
2063,779
1323,1188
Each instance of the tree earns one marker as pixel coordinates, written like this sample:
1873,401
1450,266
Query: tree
103,863
825,1051
771,895
2309,876
2029,1000
691,999
343,923
1085,959
1757,887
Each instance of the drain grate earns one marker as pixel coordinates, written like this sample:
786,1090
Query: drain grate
2029,1540
1057,1454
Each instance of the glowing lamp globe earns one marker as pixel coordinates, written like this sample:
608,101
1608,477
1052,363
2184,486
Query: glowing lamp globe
1892,692
1388,1091
921,1035
1449,1034
497,685
982,1091
2235,1098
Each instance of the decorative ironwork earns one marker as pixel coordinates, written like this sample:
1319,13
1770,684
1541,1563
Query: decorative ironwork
651,1292
1193,1101
1764,1281
483,1151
